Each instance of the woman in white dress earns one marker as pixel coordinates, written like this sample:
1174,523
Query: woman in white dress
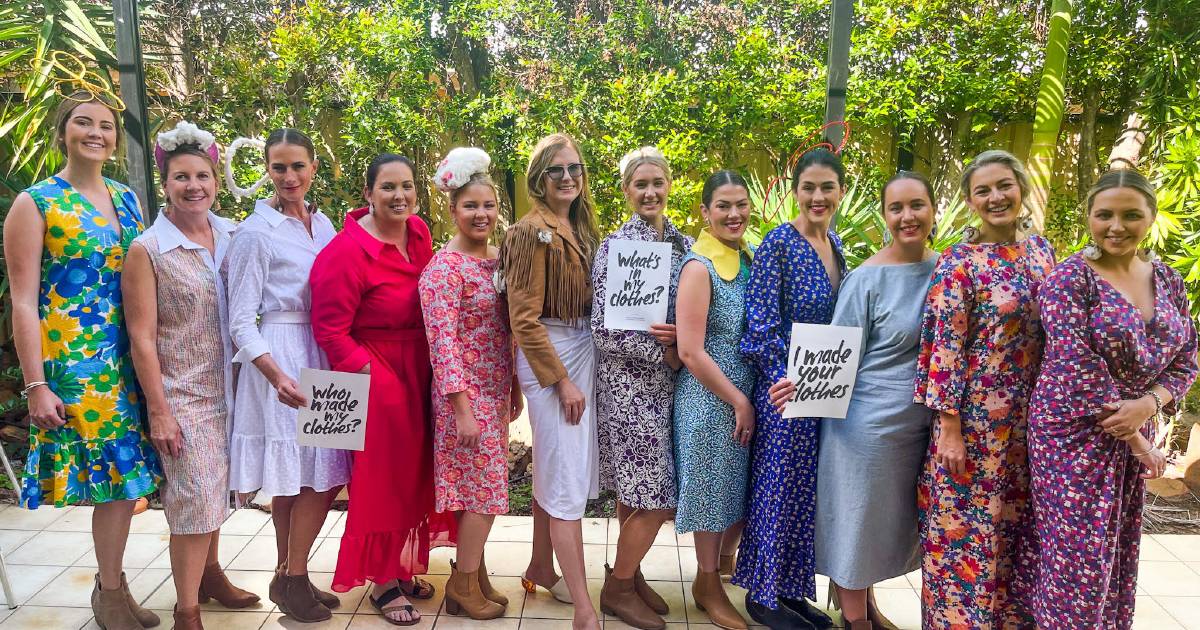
267,271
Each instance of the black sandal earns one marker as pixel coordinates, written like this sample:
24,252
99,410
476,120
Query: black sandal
418,588
389,596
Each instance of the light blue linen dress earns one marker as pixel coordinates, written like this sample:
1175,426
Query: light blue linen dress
869,463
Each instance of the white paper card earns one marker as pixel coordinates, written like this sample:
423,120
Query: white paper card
336,414
823,363
638,288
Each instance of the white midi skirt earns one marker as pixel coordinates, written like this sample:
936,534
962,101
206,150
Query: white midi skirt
566,457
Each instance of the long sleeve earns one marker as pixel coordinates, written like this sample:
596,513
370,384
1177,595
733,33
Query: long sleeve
248,263
618,343
441,290
942,363
765,343
1179,375
1066,320
338,281
524,260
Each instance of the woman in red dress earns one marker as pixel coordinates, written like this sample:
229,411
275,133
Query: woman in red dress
366,316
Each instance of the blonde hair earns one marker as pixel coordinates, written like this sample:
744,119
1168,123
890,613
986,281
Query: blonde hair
1123,178
476,179
637,157
1003,158
583,211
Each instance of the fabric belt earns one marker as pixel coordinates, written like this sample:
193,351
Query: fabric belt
286,317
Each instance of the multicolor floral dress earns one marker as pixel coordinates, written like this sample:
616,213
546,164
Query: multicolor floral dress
789,284
981,343
634,387
102,453
470,347
1087,492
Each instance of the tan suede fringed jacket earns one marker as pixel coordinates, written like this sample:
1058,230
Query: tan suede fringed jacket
547,274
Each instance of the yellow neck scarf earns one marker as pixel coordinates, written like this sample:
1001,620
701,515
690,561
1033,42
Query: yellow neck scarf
726,260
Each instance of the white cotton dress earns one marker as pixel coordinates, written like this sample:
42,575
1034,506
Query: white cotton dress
267,278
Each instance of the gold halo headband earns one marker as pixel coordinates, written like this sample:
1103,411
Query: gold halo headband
70,75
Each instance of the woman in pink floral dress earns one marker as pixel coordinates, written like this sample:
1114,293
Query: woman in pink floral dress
475,394
981,343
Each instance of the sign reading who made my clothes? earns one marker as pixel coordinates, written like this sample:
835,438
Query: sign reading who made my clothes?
638,287
336,413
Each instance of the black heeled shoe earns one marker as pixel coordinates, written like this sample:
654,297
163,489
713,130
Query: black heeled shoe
815,616
780,618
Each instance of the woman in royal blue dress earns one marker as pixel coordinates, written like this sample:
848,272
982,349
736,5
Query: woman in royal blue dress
795,278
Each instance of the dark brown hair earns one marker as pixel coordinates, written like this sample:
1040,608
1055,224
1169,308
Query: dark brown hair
913,175
68,106
288,135
1124,178
721,178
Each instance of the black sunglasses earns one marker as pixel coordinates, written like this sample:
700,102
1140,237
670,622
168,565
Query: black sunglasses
556,173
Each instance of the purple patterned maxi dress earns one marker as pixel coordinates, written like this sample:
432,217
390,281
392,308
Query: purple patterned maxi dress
1087,494
635,388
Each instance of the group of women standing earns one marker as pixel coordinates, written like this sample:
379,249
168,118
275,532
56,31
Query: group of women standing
1001,403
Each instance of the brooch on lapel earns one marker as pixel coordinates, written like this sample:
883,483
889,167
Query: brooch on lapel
544,236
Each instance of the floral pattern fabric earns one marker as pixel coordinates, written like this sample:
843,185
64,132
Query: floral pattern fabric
981,343
101,454
789,284
470,346
1087,492
635,388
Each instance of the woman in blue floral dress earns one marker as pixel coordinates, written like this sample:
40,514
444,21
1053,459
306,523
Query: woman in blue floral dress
1120,347
797,270
65,240
714,419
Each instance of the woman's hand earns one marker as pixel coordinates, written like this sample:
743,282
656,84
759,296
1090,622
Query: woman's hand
1154,463
468,429
46,409
288,391
1127,417
951,451
516,403
743,427
781,393
165,434
671,358
664,333
572,400
365,369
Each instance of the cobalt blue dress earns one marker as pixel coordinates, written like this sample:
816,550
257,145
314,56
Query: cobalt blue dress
788,284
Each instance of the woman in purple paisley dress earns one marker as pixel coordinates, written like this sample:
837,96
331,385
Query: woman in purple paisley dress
635,386
981,343
1120,348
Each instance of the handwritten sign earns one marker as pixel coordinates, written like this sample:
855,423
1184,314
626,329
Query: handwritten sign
823,363
336,414
637,292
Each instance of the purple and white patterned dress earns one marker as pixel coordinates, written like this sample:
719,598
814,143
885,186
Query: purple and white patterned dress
635,388
1087,493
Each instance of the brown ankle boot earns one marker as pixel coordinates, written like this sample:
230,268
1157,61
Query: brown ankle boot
727,564
112,609
145,617
188,618
464,596
297,600
327,599
648,595
215,585
709,593
485,585
619,597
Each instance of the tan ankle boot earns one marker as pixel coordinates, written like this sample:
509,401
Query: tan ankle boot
648,595
876,618
709,593
619,597
188,618
216,585
485,585
464,596
145,617
112,609
727,564
298,601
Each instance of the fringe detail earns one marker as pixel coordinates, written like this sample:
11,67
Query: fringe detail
567,279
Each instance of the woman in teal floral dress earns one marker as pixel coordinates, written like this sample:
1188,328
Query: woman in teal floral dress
64,243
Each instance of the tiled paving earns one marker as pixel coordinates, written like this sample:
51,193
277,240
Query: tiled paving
50,561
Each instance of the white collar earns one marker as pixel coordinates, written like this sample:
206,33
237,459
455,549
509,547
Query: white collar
170,237
274,217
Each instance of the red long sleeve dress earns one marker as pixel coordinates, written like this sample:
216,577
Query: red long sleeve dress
366,309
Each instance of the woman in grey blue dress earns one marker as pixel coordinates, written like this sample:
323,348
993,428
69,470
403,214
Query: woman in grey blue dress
868,464
713,417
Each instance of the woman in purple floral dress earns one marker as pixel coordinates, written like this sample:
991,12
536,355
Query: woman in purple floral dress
981,342
1120,348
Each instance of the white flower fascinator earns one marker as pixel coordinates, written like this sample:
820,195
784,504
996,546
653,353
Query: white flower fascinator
459,165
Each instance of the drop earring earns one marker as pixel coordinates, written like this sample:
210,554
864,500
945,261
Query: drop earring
1092,252
1025,222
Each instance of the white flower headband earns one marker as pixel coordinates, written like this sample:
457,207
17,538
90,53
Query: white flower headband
459,166
238,192
185,133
